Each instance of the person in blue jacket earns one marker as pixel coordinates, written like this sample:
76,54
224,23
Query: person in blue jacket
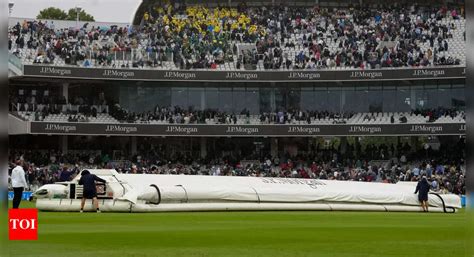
422,188
89,190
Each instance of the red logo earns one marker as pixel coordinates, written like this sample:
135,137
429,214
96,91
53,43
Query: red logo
23,224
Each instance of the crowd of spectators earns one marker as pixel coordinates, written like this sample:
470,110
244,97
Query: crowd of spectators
282,37
42,103
445,167
80,110
178,115
435,113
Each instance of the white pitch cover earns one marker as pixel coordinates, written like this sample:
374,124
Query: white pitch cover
221,193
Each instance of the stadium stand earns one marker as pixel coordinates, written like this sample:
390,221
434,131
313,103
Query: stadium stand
177,115
254,38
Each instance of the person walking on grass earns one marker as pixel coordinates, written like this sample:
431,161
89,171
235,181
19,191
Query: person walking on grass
18,183
89,191
422,188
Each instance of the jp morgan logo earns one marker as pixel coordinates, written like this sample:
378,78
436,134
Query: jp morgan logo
118,128
241,130
60,128
364,129
118,74
428,73
179,129
304,75
424,128
55,71
303,130
179,75
366,74
241,75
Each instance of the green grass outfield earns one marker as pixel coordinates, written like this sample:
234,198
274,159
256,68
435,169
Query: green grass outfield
223,234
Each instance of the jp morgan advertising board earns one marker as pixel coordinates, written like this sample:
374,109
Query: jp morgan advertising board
449,72
230,130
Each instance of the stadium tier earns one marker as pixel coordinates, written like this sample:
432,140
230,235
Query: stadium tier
275,38
210,117
431,107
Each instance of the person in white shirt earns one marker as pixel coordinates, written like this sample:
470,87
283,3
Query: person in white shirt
18,183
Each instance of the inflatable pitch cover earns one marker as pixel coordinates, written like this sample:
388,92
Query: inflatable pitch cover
161,193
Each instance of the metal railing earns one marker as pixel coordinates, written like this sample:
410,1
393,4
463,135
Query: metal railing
63,108
15,61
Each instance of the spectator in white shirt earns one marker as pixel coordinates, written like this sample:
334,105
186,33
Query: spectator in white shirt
18,183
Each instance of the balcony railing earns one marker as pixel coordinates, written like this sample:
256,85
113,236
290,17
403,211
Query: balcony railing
16,62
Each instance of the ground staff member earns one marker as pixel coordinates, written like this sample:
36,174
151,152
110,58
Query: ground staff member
89,192
422,188
18,183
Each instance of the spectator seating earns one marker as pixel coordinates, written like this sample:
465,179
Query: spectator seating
315,41
63,117
358,118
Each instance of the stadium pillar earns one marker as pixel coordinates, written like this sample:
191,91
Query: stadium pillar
274,147
133,145
343,145
63,144
343,101
412,98
65,91
396,148
203,147
414,143
272,98
203,99
358,147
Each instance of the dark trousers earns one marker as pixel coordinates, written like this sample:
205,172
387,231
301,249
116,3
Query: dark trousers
17,194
